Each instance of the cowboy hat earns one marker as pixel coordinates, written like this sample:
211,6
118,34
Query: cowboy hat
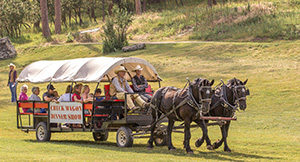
138,67
121,68
11,64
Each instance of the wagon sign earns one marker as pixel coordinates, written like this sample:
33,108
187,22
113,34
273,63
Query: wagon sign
69,112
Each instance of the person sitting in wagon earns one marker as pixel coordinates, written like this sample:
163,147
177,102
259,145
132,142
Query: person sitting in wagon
35,97
140,83
120,86
48,96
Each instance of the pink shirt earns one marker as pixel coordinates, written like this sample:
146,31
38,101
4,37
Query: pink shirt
23,97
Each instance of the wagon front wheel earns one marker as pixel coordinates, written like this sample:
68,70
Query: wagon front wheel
124,138
42,134
100,136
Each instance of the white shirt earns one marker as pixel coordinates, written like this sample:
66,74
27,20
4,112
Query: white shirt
65,97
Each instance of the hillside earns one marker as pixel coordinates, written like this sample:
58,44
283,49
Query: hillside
267,130
242,21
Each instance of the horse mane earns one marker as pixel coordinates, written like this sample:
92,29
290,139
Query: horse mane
200,82
234,82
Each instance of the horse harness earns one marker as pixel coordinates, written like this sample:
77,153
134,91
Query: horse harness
188,99
224,100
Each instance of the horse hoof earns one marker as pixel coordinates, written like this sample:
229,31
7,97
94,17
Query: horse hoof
210,147
227,150
190,152
150,148
215,145
172,149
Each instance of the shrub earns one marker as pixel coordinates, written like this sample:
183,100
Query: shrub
115,30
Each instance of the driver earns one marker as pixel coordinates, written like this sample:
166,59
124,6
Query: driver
120,86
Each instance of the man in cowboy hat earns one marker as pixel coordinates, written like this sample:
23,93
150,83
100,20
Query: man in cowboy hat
140,83
120,86
12,76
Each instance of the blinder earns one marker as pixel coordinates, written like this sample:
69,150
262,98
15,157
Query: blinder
247,92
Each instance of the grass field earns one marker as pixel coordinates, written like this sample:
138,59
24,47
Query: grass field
267,131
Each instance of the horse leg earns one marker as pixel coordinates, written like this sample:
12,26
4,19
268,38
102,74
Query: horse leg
187,136
226,148
169,131
150,141
224,130
199,142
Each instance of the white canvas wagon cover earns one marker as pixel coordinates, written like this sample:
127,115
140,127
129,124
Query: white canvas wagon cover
96,69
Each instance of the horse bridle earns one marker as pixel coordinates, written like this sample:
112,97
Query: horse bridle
235,93
201,100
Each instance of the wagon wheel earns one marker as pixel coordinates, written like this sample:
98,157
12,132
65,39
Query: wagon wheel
42,134
160,135
124,138
100,136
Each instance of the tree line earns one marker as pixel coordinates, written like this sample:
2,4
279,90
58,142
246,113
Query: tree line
18,14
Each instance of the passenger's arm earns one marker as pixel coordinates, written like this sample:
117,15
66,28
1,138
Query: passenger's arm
128,88
85,98
48,99
146,83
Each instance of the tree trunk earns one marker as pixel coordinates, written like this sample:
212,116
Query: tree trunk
79,15
144,5
181,1
57,17
209,3
138,8
214,2
45,21
103,10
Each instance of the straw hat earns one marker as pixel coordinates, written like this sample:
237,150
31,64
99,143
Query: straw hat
121,68
138,67
11,64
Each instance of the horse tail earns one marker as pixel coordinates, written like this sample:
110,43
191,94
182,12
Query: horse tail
155,103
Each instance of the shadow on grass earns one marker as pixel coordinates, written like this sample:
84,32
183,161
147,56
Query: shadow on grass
142,148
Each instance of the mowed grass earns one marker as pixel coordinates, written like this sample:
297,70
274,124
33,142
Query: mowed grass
267,131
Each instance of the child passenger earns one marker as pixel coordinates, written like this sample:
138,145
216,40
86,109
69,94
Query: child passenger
98,95
85,94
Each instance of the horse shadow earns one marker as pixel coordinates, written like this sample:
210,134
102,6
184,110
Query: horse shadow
142,148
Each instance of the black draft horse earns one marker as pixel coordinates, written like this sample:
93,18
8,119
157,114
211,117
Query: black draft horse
186,105
225,101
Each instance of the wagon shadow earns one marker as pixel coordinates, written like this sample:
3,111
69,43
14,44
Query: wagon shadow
142,148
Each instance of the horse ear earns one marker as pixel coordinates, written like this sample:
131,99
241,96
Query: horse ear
212,82
245,81
235,81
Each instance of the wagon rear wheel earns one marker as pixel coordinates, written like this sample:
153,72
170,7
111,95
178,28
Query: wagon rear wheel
124,138
160,135
42,134
100,136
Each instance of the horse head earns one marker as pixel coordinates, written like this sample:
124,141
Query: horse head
239,92
202,92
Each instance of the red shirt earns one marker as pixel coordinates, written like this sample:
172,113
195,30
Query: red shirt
78,97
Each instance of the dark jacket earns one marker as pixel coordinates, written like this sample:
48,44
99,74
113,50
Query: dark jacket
139,81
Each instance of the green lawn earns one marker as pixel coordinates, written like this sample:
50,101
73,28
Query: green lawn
267,131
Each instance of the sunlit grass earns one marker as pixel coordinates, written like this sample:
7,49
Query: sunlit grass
267,131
